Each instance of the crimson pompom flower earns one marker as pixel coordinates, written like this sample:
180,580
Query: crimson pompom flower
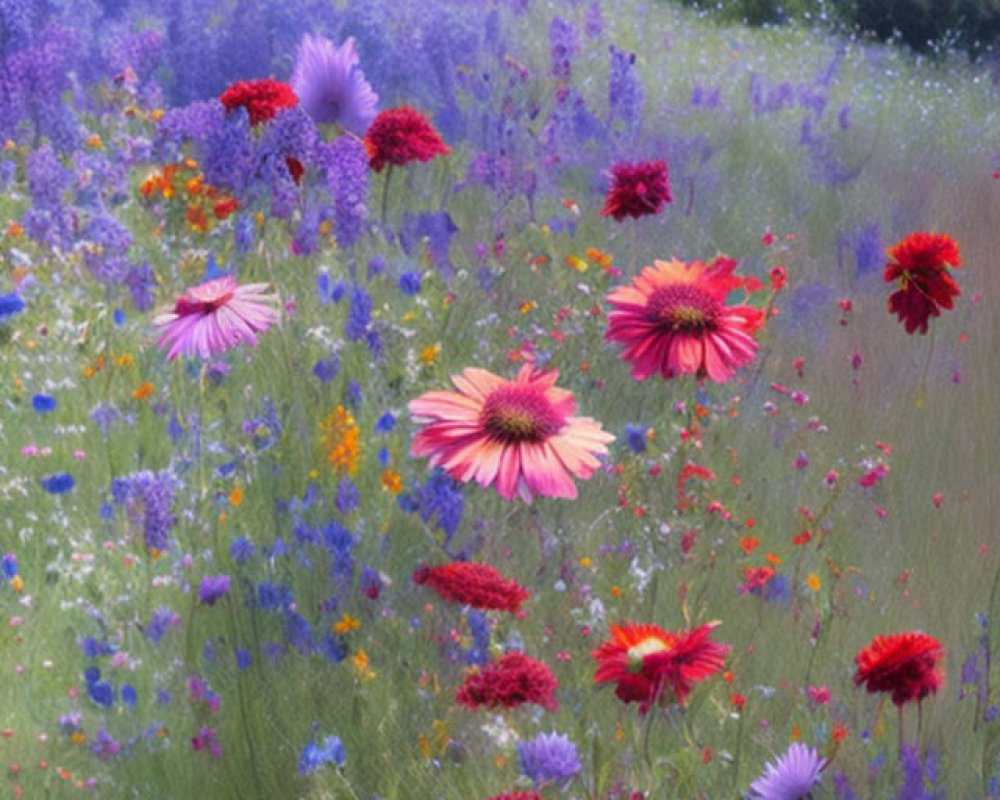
516,796
401,135
673,319
214,316
920,263
520,436
476,585
262,99
906,664
510,681
646,661
637,190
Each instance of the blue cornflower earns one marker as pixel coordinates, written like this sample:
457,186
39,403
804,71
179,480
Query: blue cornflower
101,693
241,550
635,436
314,756
243,658
94,648
10,304
129,695
791,777
58,483
548,757
326,369
385,423
410,283
327,290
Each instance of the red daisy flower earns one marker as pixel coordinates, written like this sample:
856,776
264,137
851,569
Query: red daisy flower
476,585
637,190
521,436
920,264
906,664
262,99
401,135
645,660
673,319
510,681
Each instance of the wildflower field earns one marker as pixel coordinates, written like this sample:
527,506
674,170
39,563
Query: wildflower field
505,400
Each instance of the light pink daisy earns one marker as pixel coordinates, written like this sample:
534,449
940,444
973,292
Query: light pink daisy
520,435
215,316
673,319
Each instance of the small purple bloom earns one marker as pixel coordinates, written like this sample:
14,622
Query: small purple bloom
548,757
212,588
791,777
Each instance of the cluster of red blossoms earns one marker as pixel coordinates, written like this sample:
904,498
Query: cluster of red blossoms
401,135
920,264
476,585
262,99
637,190
906,664
510,681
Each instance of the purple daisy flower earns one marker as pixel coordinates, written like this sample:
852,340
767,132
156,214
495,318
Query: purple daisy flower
791,777
331,86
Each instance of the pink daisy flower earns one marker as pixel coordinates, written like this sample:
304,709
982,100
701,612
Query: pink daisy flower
519,436
215,316
673,319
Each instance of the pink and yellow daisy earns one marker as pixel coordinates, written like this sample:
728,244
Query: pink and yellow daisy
520,436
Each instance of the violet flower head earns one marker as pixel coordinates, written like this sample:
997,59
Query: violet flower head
331,86
549,757
791,777
212,588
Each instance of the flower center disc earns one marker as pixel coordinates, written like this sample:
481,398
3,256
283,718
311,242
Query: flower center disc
684,308
637,653
520,414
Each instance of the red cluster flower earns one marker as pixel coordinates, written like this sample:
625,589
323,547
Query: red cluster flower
476,585
637,190
510,681
401,135
645,661
920,264
262,99
906,664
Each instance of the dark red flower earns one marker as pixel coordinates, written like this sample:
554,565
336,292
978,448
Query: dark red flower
645,660
476,585
637,190
262,99
920,264
510,681
516,796
401,135
906,664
